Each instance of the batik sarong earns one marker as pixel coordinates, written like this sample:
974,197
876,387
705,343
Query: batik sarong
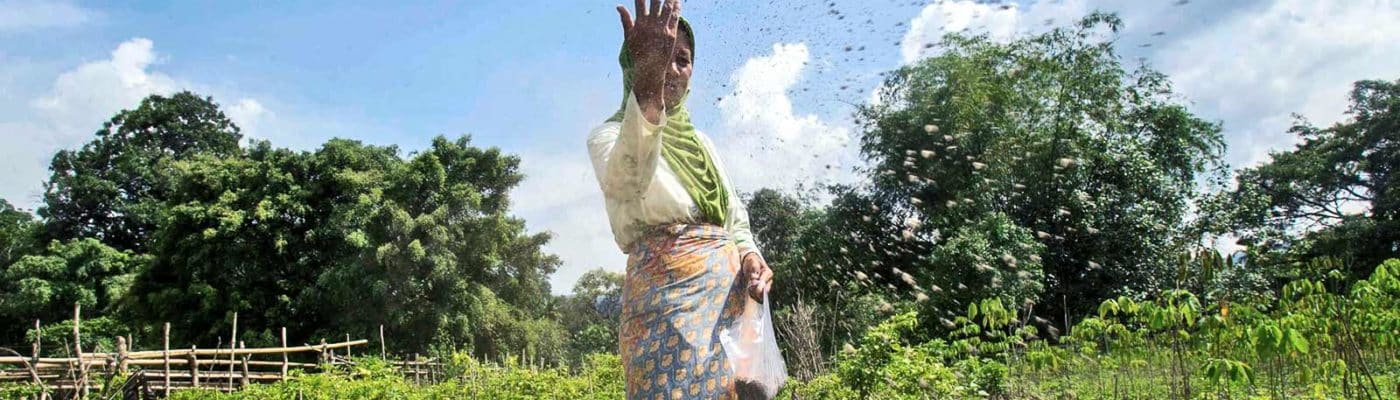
681,290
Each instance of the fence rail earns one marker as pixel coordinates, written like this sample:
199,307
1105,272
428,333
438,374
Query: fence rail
155,373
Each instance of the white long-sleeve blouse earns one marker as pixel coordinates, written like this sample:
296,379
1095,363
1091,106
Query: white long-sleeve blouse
642,191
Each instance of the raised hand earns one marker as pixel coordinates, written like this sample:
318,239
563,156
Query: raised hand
651,42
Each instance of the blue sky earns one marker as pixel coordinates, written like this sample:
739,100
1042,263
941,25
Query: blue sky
533,76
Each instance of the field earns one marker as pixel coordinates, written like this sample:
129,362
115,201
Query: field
1313,342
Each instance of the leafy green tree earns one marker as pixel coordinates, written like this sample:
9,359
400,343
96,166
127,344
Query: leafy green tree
807,247
978,149
46,286
346,238
779,221
16,233
247,234
1333,194
439,228
592,314
113,188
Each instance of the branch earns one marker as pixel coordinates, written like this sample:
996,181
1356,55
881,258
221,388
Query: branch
1323,208
1351,190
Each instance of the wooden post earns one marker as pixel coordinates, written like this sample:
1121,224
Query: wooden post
243,382
38,340
78,351
324,360
165,355
284,353
347,348
194,367
121,354
382,354
232,345
415,369
38,346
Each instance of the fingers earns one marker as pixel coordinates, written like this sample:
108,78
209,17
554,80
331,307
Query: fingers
641,7
765,281
671,13
655,9
664,14
757,291
626,20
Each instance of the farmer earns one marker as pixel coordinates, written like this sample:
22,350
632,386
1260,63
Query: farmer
692,262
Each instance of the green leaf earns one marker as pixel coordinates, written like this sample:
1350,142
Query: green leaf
1297,341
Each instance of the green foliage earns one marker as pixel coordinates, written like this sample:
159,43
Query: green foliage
17,229
46,286
992,257
349,237
1039,169
887,365
1333,194
113,188
163,217
1310,343
99,335
592,314
600,378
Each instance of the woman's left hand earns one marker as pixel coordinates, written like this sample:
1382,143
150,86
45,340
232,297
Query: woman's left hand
760,277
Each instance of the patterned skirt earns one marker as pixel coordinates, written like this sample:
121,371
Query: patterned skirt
681,289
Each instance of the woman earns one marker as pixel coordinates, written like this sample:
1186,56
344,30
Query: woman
692,263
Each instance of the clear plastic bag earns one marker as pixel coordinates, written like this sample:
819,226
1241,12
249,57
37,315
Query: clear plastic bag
752,349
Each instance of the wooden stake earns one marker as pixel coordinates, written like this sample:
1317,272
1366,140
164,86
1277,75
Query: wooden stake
347,348
165,355
284,353
324,360
194,367
121,354
232,345
78,351
38,340
243,381
382,354
38,343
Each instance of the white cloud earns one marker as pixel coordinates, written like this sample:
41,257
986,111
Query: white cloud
1251,65
76,105
23,15
1000,22
82,98
766,142
1254,69
561,195
248,114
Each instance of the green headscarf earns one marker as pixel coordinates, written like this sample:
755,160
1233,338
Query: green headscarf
681,147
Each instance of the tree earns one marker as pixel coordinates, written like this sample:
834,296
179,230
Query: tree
112,188
1333,194
346,238
16,234
46,286
592,313
974,152
439,232
779,221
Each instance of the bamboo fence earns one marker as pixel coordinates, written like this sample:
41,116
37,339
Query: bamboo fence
155,373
